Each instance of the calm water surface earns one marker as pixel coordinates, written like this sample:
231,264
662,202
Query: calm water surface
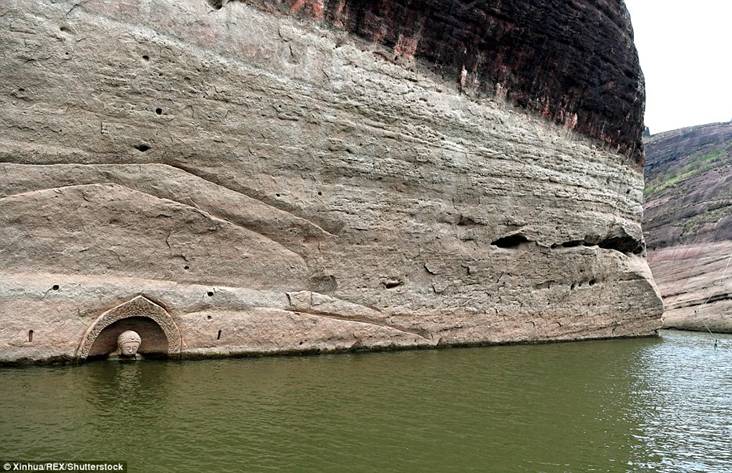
626,405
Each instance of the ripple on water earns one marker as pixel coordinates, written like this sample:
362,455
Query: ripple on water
624,405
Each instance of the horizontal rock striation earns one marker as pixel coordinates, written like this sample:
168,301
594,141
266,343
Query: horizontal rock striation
688,223
273,177
574,63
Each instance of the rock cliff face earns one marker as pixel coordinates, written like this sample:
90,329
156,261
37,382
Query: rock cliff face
688,224
268,177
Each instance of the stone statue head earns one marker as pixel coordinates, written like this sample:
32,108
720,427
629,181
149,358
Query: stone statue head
128,342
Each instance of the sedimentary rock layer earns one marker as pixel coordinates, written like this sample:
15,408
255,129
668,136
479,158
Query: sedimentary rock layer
696,285
276,179
574,62
688,224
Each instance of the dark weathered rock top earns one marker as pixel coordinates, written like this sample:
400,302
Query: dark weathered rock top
572,61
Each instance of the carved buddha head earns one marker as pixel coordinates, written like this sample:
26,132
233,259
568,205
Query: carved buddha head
128,343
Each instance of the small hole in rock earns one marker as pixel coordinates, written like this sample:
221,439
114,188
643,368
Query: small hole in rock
218,337
142,147
186,267
277,195
510,241
392,283
592,282
55,287
30,335
159,111
209,317
210,293
146,57
320,193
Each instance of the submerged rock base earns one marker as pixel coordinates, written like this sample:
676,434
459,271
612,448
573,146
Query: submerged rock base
267,184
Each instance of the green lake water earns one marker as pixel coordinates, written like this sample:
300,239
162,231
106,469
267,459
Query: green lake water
654,404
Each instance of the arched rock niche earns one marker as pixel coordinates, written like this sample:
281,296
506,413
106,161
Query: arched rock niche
159,332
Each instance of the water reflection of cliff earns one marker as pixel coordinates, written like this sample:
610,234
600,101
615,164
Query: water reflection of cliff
125,403
630,405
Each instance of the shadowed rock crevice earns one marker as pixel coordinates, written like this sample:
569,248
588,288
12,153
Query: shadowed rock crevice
622,243
217,4
709,300
618,240
511,242
626,244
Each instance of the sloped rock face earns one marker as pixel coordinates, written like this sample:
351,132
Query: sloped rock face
278,177
688,224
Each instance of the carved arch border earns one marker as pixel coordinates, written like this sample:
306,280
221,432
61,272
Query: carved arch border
140,306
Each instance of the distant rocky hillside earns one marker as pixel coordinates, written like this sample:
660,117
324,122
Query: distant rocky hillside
688,224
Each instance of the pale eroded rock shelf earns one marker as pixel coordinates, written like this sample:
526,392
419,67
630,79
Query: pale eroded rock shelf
305,176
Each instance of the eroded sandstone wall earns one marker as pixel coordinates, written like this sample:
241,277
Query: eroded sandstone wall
280,180
688,224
